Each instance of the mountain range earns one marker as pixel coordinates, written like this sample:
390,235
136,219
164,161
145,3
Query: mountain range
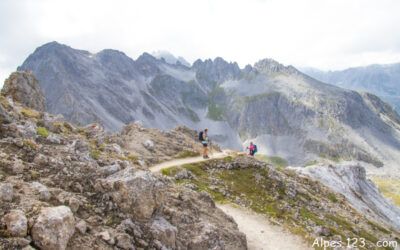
381,80
284,111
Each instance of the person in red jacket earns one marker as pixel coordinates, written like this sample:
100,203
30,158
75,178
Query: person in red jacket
252,149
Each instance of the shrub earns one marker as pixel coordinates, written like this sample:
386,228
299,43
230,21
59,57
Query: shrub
30,113
332,197
31,144
42,131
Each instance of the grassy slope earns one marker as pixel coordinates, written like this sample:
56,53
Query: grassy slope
258,189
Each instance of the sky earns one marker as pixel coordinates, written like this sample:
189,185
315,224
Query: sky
325,34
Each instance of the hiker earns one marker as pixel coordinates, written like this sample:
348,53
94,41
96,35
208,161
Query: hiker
203,138
252,149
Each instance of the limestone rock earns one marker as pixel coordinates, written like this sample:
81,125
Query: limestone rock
53,228
18,168
81,146
6,192
44,194
4,117
149,144
81,226
74,204
23,87
105,235
109,170
136,191
322,230
164,232
16,223
124,241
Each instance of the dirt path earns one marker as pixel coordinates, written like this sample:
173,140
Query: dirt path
260,233
179,162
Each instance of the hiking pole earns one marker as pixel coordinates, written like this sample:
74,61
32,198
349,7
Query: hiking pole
211,153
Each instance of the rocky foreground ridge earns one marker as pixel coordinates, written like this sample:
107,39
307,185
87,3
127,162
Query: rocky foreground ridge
67,187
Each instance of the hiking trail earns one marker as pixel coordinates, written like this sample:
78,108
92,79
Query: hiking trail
180,162
260,233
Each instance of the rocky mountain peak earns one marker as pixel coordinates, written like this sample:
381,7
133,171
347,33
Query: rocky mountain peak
216,70
24,88
170,58
269,65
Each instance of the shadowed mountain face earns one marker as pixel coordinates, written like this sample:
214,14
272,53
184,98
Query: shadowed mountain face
381,80
286,112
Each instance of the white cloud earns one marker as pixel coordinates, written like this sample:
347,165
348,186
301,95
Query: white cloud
328,34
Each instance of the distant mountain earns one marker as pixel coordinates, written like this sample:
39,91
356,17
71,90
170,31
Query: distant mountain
381,80
169,58
285,112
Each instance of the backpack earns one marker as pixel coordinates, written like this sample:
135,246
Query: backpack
201,136
255,148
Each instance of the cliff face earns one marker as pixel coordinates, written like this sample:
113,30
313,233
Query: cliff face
286,112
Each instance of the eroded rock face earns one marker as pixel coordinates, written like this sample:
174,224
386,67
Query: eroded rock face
16,223
23,87
53,228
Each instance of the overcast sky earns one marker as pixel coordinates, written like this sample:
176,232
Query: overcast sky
326,34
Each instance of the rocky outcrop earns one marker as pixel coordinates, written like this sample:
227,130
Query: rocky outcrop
53,228
23,87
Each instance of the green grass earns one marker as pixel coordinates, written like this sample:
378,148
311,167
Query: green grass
383,230
132,158
30,113
95,154
31,144
306,214
188,153
390,188
42,131
170,171
197,169
275,161
332,197
310,163
228,159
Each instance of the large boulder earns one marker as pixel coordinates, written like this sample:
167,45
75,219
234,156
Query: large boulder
53,228
23,87
137,192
